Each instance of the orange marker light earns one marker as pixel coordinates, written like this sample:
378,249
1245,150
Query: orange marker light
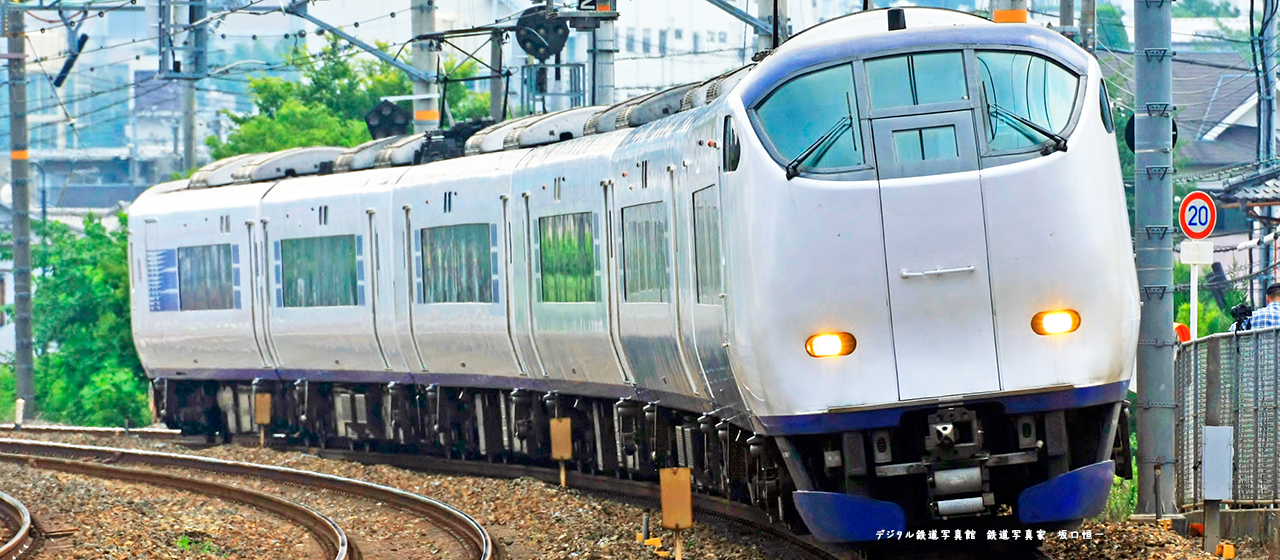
1055,322
829,345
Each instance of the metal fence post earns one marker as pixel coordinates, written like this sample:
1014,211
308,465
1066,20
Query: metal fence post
1212,413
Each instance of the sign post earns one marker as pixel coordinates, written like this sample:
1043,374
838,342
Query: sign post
1197,216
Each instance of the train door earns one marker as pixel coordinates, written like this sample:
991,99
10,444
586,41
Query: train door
613,279
936,253
375,280
520,236
509,285
703,267
262,285
256,292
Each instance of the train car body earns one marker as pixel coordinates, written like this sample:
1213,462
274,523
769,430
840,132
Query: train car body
881,280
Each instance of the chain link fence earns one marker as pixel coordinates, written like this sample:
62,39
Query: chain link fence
1230,379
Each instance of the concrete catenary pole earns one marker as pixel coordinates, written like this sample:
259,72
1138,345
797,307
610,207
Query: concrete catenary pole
777,23
1153,240
605,47
1066,13
197,65
1088,24
1009,11
497,85
426,105
20,172
189,110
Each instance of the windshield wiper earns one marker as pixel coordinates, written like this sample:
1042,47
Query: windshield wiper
793,168
1059,143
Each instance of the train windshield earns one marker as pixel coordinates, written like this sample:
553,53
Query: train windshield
916,79
1020,88
801,116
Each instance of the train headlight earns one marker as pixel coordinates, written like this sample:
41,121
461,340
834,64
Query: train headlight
1055,322
827,345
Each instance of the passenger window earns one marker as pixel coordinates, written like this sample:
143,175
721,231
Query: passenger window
1108,121
794,118
644,254
457,264
916,79
1020,86
921,144
319,271
205,278
706,244
568,258
732,147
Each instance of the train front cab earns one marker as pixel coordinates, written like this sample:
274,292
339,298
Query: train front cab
925,207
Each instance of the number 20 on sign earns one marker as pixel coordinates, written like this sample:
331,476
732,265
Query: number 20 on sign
1197,215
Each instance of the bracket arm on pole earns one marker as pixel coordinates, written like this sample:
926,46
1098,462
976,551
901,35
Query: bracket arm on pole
760,26
300,9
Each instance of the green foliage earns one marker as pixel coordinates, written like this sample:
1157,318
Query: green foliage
185,542
1111,31
1205,8
1123,499
87,370
1212,319
327,106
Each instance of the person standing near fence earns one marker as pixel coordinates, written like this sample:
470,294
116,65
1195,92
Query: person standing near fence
1266,317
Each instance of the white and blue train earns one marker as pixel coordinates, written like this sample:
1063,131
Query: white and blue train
880,280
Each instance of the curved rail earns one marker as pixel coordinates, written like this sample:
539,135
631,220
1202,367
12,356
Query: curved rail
24,535
330,536
461,526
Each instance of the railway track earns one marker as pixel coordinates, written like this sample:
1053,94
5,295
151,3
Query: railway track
642,494
328,534
25,540
71,458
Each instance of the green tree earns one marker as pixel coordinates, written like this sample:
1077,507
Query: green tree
1111,30
327,106
86,369
1205,8
1213,319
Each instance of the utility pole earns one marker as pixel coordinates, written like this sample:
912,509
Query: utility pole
1267,133
23,365
197,65
426,102
1153,240
188,125
497,85
1066,13
774,14
1009,11
1088,24
604,46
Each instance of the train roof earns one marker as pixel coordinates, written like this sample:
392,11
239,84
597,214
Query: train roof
467,139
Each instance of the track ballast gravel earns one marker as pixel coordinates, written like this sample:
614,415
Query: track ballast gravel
121,520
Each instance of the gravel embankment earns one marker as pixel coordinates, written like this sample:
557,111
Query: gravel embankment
533,520
1137,541
126,521
379,531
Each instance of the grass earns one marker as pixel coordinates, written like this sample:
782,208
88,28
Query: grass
185,542
1124,493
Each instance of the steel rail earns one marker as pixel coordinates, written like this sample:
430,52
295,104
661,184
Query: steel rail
638,492
25,538
327,533
461,526
143,433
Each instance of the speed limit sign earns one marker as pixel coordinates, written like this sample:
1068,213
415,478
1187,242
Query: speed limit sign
1197,215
